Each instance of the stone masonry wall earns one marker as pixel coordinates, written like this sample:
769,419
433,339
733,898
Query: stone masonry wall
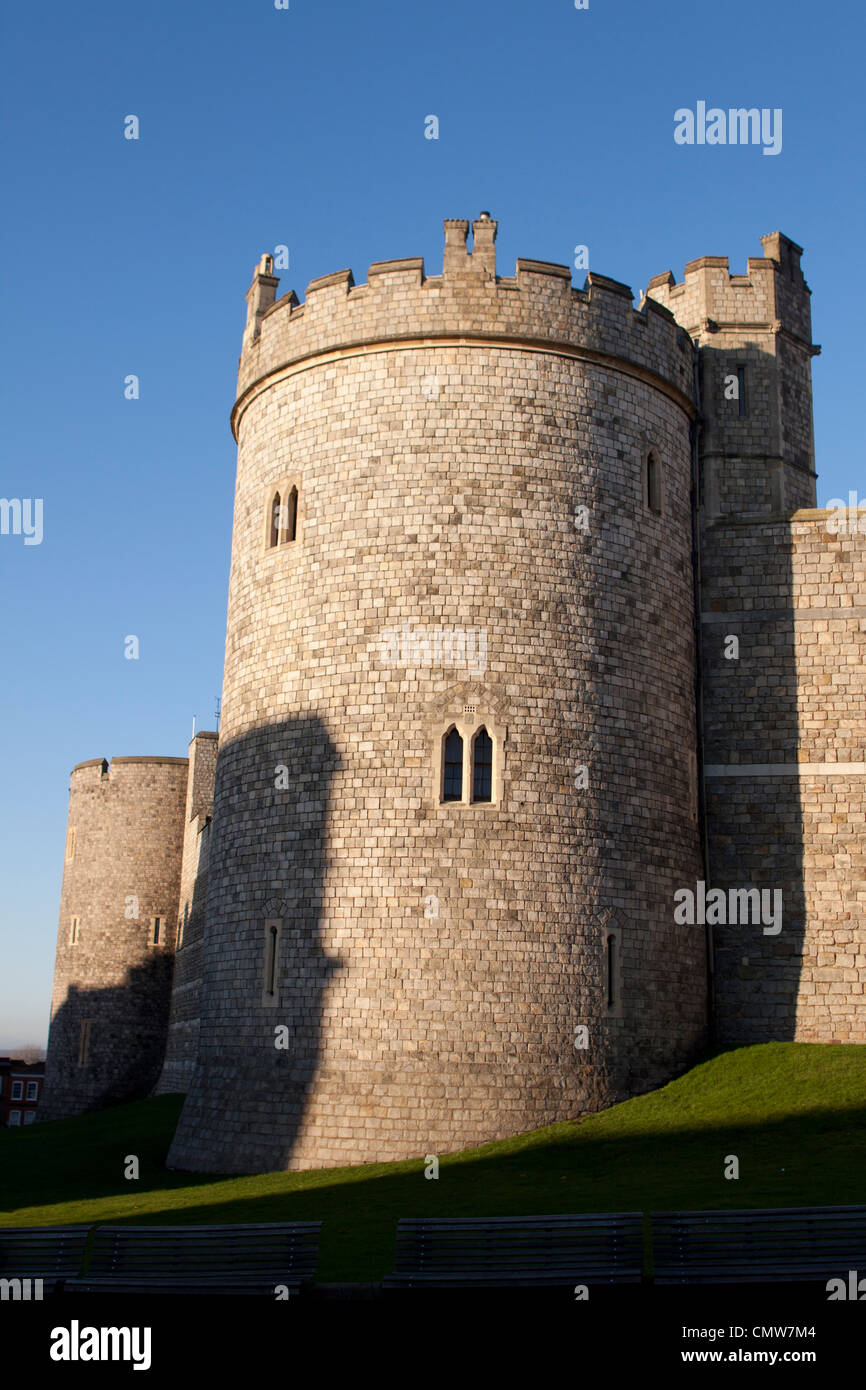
786,751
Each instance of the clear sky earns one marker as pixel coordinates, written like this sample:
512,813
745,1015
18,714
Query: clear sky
305,127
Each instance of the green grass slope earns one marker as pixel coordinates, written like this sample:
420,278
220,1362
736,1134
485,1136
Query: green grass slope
794,1114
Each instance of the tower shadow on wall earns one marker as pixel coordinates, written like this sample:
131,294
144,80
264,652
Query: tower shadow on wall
750,711
265,974
125,1042
183,1024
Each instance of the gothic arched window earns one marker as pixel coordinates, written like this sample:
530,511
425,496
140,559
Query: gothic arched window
290,530
482,766
452,781
275,521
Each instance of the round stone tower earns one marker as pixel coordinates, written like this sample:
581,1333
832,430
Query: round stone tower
456,785
115,942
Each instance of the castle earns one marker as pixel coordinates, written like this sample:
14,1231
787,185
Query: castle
534,632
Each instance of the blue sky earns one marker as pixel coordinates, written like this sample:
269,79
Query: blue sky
305,127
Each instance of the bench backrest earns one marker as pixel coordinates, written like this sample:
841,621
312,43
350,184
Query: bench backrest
572,1246
266,1249
797,1242
44,1252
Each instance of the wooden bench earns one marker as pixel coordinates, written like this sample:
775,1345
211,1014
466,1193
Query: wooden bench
740,1247
520,1251
253,1259
50,1253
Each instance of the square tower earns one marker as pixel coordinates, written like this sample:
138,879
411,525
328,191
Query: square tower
754,336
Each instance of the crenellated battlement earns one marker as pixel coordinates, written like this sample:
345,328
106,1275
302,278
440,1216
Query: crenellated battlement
400,305
772,296
754,335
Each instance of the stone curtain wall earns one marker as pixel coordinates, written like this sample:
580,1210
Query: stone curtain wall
188,921
786,753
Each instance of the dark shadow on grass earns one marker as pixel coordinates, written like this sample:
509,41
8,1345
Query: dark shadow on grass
813,1159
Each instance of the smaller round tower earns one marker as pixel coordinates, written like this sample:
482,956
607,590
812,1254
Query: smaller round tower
116,938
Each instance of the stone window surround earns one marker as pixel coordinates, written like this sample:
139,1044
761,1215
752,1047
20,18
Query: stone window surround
468,726
74,930
70,844
283,486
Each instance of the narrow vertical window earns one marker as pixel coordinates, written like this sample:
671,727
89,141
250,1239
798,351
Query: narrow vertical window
741,389
156,933
482,766
291,527
273,927
452,782
272,961
653,482
180,923
73,931
70,844
611,971
275,521
84,1042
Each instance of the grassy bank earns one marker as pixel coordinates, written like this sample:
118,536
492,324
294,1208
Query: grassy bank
794,1114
